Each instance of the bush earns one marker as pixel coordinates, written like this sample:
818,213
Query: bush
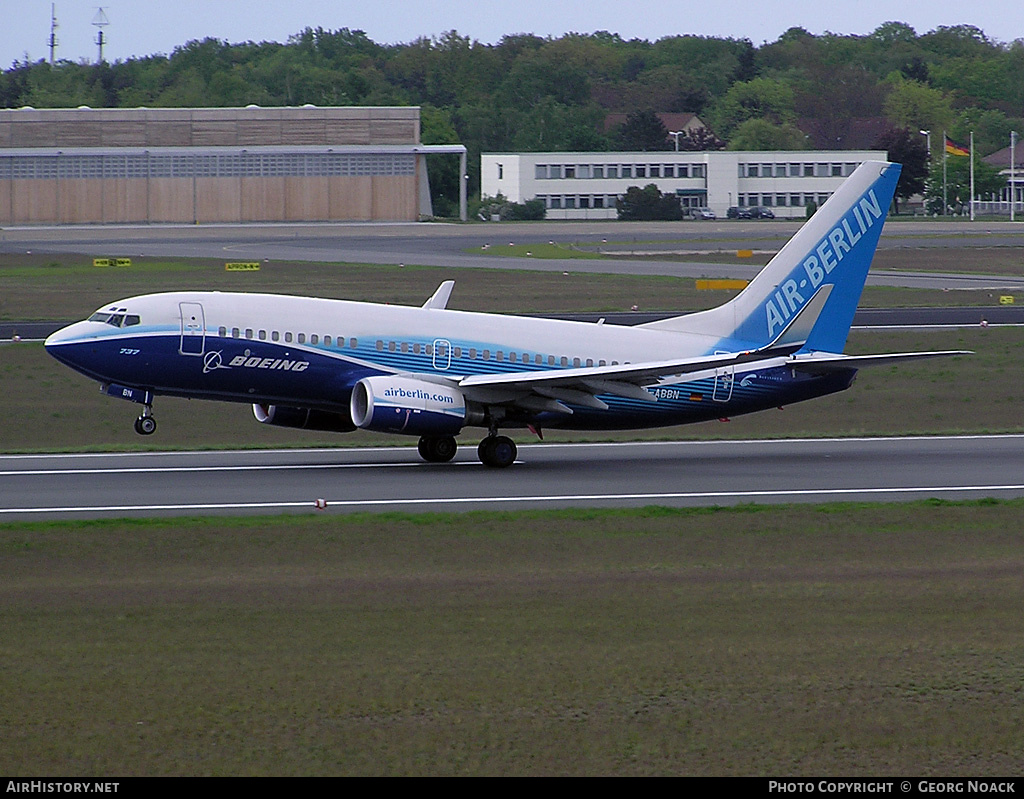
648,204
508,211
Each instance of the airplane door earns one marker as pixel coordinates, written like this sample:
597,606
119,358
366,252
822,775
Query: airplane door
442,353
193,329
723,384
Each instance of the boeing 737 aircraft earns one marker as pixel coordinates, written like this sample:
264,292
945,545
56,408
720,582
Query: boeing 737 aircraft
336,365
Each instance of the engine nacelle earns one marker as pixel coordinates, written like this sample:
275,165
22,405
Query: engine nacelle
391,404
303,418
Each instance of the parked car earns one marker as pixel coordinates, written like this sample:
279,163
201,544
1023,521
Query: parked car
760,212
703,213
737,212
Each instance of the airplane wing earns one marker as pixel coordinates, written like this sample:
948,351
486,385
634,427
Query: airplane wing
547,390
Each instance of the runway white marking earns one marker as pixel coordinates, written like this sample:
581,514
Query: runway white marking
434,501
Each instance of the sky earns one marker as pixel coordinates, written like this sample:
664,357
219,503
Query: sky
142,27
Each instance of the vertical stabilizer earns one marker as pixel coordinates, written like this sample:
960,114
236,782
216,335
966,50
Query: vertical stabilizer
834,248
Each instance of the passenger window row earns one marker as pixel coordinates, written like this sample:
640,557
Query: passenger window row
415,348
338,342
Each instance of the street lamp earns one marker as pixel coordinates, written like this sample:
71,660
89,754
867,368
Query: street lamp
928,135
675,134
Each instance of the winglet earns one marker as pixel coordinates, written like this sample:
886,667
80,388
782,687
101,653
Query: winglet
439,299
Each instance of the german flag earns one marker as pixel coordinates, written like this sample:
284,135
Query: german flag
952,148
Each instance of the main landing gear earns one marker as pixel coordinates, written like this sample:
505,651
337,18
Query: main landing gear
145,425
438,450
495,451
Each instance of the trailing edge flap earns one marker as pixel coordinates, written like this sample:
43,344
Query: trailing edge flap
439,299
831,362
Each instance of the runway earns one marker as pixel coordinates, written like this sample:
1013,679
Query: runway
696,473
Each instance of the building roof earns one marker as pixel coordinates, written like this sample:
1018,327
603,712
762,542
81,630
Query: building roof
1001,158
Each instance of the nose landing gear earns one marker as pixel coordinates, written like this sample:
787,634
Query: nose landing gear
145,425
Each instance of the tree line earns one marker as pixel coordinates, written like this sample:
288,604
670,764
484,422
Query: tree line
531,93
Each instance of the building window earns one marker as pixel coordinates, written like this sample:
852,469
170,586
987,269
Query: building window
655,171
570,172
808,170
541,171
613,171
668,171
780,199
794,200
780,170
599,202
795,170
627,171
598,171
641,171
570,202
752,170
556,202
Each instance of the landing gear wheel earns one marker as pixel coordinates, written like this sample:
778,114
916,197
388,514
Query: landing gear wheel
497,452
145,425
438,450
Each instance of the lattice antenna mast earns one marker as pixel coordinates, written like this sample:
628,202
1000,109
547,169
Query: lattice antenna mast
53,31
100,20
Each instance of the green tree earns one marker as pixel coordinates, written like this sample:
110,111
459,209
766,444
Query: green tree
648,204
987,182
642,131
909,149
915,106
760,134
761,98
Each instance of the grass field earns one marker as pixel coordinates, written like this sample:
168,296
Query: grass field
791,641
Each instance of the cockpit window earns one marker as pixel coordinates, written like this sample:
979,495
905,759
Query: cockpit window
115,319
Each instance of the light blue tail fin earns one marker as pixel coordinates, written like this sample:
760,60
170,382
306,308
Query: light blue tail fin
834,248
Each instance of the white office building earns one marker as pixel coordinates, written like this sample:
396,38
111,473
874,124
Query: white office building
586,185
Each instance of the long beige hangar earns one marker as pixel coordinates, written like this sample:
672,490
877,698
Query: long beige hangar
215,165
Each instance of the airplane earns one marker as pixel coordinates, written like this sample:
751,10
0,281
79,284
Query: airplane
430,371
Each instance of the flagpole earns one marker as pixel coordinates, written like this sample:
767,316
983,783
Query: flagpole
945,155
972,175
1013,153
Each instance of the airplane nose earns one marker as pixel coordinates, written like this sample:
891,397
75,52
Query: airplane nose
60,344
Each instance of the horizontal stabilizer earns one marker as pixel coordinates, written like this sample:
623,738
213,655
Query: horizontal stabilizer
830,362
796,333
439,299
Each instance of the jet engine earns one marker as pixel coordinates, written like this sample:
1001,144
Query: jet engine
303,418
394,404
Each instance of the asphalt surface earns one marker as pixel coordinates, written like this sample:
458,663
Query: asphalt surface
447,245
545,476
